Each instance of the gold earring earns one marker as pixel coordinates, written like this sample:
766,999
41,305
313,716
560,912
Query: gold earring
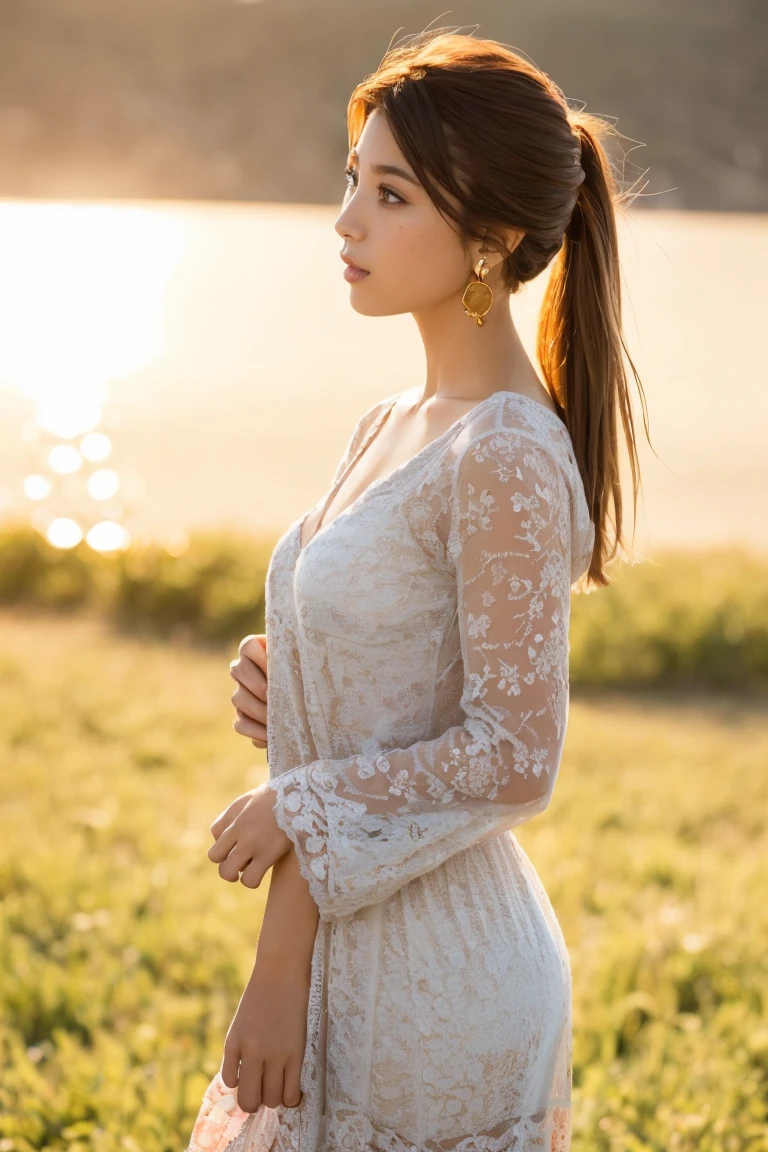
478,297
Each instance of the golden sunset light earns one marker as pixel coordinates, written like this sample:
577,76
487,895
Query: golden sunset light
383,576
82,291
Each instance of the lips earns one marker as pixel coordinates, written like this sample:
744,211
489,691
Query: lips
351,264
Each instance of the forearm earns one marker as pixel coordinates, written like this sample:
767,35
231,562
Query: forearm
363,826
287,936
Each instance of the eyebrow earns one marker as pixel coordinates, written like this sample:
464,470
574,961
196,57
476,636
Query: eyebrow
387,169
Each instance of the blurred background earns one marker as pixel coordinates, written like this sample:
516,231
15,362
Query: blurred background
180,370
171,173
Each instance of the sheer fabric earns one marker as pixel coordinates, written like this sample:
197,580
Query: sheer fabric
418,708
364,826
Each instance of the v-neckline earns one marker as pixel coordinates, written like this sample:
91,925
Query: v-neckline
367,440
375,484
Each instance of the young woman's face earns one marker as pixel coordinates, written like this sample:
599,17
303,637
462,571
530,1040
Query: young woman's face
390,227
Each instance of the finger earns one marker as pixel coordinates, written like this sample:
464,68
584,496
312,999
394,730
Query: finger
244,671
292,1084
252,874
223,846
234,864
272,1084
246,702
248,727
249,1087
227,817
230,1065
254,647
250,667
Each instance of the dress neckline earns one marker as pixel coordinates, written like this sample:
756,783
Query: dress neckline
396,472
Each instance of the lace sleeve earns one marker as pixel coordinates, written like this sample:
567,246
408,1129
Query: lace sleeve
363,827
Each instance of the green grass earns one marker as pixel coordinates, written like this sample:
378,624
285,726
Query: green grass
676,620
123,954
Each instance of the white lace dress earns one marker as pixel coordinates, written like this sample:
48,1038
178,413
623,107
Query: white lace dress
418,702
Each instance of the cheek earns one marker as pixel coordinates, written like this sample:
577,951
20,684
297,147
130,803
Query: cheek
421,263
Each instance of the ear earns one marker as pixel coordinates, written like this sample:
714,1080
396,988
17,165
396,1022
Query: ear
494,256
513,238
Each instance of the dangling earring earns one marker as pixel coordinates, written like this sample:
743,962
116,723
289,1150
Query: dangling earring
478,297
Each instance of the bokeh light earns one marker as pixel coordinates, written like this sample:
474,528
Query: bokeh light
103,483
36,487
64,458
64,532
82,295
108,536
95,446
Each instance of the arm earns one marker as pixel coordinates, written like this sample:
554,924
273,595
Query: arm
289,928
264,1049
362,827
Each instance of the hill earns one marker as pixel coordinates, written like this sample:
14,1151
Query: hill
213,99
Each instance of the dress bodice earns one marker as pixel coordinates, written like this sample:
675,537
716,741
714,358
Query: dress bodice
363,621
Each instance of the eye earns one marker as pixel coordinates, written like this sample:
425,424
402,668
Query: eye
349,174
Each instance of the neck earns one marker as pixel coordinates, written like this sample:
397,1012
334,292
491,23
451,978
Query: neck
467,361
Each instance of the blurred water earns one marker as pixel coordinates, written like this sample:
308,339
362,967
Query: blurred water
234,367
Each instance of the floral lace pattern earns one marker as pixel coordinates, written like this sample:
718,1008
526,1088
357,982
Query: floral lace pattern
418,708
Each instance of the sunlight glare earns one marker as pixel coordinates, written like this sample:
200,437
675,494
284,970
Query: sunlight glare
64,533
96,446
67,416
108,536
36,487
63,458
81,299
103,483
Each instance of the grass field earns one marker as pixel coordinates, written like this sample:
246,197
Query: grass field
123,954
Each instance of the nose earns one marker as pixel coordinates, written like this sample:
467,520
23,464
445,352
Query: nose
346,225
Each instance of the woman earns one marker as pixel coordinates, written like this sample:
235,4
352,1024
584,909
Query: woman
412,986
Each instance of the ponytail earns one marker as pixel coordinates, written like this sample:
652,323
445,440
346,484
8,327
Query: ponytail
580,343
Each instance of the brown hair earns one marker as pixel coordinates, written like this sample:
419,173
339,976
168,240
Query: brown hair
474,118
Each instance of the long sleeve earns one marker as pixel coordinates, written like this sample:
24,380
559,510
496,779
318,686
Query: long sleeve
364,826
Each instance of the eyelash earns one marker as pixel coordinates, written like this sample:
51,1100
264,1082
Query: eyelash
350,172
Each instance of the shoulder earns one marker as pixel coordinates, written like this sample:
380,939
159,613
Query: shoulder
514,469
367,420
359,432
511,428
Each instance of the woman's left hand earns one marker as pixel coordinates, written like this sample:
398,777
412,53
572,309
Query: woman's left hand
248,838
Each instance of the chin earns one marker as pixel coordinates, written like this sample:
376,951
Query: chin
367,305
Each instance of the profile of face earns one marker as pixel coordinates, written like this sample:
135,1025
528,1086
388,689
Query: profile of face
391,228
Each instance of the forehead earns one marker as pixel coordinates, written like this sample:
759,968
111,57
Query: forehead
377,137
378,150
